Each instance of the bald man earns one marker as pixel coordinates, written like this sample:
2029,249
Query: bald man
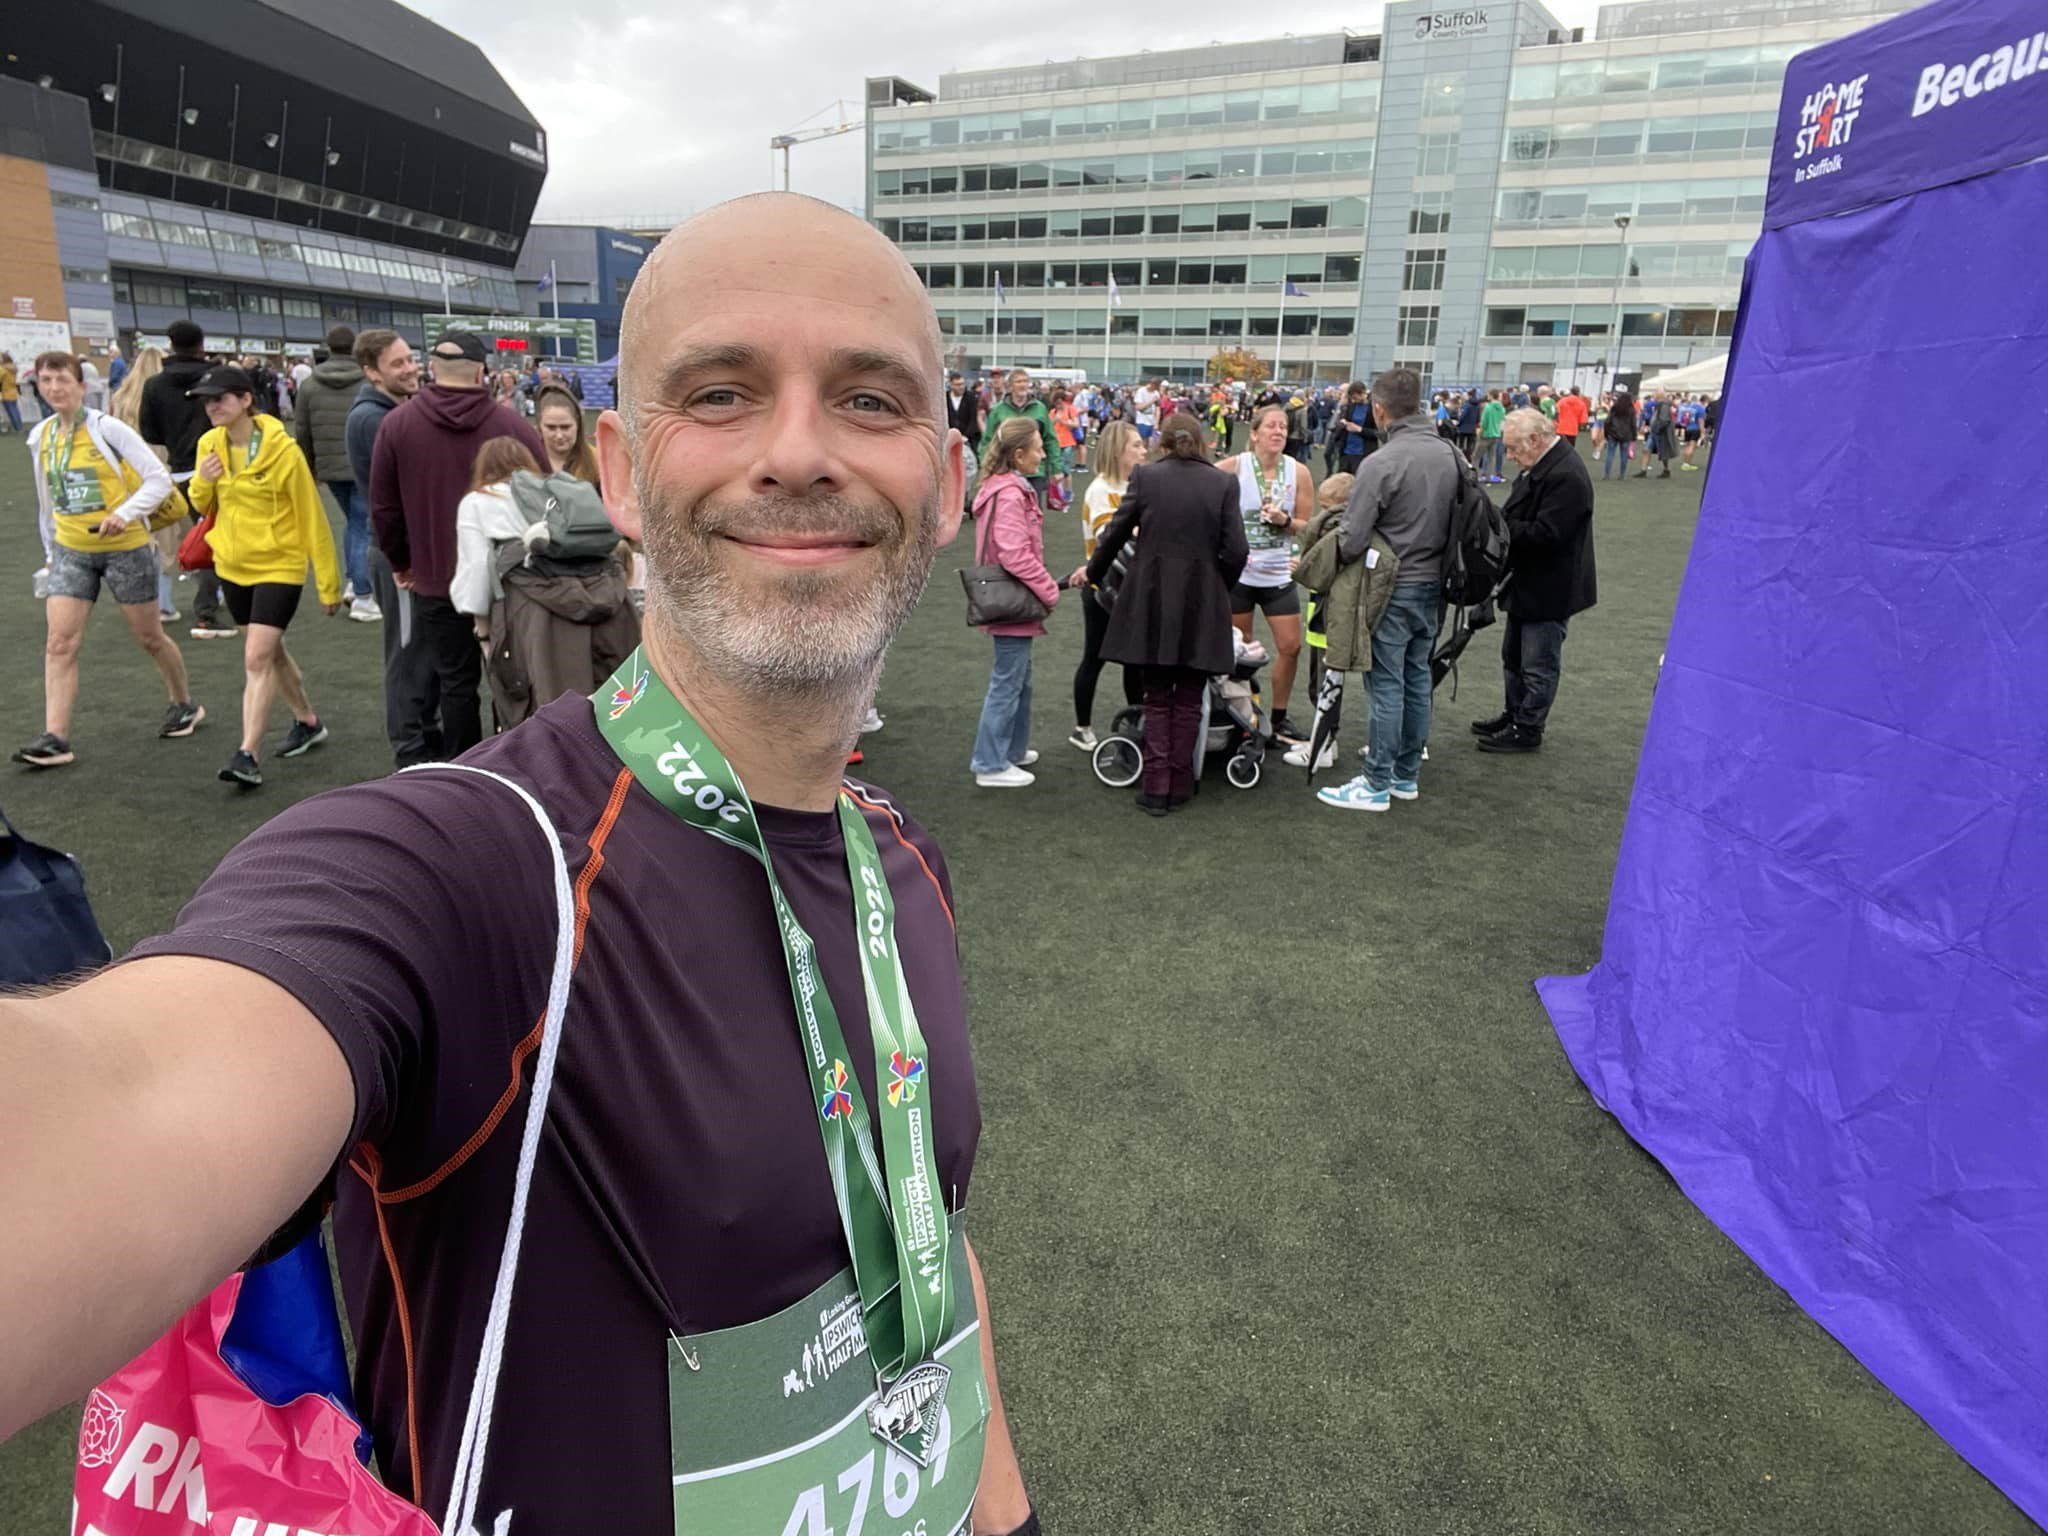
745,1301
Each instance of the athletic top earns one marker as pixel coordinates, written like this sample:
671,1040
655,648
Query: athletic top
1097,508
681,1182
1270,546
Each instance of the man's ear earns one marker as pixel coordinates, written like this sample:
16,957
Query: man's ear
952,484
615,473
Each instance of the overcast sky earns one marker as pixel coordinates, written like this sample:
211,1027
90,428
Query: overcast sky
659,109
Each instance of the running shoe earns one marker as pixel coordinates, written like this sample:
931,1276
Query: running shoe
872,723
1030,756
242,769
48,750
1285,730
1493,727
1405,789
181,720
169,615
1083,736
213,631
302,738
1297,757
364,610
1355,795
1007,778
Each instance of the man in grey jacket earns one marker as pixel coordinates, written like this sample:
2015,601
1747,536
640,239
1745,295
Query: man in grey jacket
320,424
1404,493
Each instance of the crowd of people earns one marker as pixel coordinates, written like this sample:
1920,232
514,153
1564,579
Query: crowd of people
1233,533
200,470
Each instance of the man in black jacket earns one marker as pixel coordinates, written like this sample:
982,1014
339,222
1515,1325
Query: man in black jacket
172,420
1549,515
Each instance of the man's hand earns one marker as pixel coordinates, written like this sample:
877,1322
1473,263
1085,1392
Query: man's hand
402,580
157,1124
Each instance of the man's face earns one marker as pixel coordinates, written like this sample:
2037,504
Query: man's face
397,372
1523,449
60,388
1020,389
956,386
791,475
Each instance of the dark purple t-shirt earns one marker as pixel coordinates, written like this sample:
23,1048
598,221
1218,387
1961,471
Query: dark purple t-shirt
681,1183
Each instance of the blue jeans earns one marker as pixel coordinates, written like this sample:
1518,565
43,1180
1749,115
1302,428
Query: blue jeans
1004,734
1400,684
355,537
1615,459
1489,456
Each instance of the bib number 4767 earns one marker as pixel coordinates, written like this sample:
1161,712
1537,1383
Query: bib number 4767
901,1484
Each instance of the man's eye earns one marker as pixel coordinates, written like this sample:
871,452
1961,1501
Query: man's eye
718,399
871,403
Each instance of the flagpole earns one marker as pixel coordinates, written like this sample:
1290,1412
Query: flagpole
1107,300
555,294
1280,333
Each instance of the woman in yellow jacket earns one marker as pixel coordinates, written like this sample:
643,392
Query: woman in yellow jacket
268,526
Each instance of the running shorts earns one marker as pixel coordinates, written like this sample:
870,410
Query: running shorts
130,575
262,602
1276,602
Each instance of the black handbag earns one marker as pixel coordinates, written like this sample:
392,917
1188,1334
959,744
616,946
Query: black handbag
994,596
47,929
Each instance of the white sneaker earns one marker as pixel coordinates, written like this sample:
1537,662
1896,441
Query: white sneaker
1084,737
364,610
1297,757
348,592
1010,778
1030,756
872,723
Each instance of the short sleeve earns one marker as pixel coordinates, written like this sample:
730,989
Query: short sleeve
414,918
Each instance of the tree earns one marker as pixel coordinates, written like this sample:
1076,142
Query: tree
1235,362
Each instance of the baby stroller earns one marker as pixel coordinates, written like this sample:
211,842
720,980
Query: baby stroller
1234,726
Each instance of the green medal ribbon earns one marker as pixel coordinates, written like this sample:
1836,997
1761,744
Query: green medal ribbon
58,471
893,1218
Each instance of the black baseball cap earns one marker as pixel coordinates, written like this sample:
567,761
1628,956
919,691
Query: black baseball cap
224,380
466,345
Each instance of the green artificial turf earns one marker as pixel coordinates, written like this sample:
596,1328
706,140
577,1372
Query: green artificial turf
1294,1216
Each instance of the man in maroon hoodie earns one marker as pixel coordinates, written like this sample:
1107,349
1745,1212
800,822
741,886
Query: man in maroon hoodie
419,473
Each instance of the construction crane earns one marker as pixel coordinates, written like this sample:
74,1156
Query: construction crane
784,142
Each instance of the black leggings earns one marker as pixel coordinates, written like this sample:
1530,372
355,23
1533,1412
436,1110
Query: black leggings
1094,625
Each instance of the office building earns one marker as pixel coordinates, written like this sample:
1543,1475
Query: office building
1480,192
268,168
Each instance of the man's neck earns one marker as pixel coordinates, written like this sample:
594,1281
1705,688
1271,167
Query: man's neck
788,751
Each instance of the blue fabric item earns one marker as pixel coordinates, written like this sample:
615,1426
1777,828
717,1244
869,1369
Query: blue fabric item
1823,997
1398,687
1004,732
284,1340
47,929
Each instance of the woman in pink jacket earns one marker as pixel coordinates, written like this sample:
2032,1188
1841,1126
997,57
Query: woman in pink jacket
1008,528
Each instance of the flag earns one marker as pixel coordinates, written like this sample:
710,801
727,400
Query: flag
1288,290
546,282
1116,295
999,287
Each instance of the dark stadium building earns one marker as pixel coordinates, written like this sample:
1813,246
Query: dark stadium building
266,167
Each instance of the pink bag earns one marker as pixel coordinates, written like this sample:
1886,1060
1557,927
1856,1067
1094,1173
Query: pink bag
180,1440
237,1422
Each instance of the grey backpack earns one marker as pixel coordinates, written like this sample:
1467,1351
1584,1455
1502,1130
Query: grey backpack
572,510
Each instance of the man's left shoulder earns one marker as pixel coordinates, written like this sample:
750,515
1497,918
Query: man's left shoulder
895,827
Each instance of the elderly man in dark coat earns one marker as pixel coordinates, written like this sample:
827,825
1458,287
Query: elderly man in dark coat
1172,614
1549,514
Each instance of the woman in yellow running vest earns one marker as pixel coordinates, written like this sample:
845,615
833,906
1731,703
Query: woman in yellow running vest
99,492
268,527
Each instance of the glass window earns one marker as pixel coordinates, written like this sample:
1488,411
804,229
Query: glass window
1203,165
1422,269
1191,322
208,298
1762,127
1277,162
1564,206
1749,196
1094,274
916,133
1319,100
945,180
1030,274
1532,82
1226,322
1518,205
133,225
1602,261
1271,213
1061,274
1438,155
947,231
1233,216
1198,218
1170,111
973,178
1604,202
1337,322
1128,274
944,276
1721,134
1620,141
1230,272
1205,110
1194,274
1001,178
917,183
1165,221
1266,323
1240,164
1159,273
1772,58
1241,107
1156,322
1358,98
1128,221
945,130
1101,118
1505,322
1728,66
1681,71
1669,136
1066,173
974,128
1166,167
1511,264
1032,176
1443,93
1352,158
913,231
1262,270
887,135
1035,124
1282,101
1098,173
1660,201
973,275
1580,77
1131,170
1003,128
974,229
1309,216
1556,263
1313,159
1626,74
1002,229
1299,322
1059,322
1068,122
1416,325
1095,226
1642,322
1710,201
1347,213
1340,269
1134,116
1547,320
261,303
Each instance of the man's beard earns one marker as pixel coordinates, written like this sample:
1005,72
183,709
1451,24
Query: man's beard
798,631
